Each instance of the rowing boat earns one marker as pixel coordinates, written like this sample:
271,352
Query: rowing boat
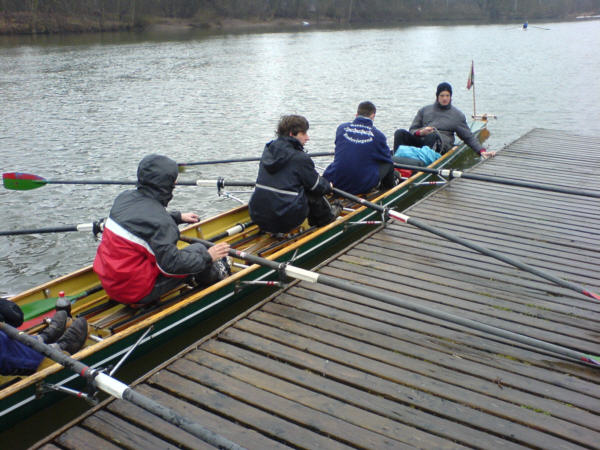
115,328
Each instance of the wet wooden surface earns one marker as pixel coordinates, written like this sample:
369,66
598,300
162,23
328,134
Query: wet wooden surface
317,367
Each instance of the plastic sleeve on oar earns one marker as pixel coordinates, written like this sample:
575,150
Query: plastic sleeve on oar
85,227
447,173
206,182
301,274
110,385
592,295
398,216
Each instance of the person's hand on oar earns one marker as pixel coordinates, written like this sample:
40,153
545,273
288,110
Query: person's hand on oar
190,217
486,154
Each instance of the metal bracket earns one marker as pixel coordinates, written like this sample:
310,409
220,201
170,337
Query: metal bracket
98,227
43,388
241,285
131,349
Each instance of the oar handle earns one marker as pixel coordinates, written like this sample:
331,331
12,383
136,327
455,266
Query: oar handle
358,200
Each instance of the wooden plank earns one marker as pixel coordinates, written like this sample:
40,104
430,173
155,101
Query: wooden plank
402,386
463,295
153,424
421,422
77,438
263,421
539,260
438,300
442,254
495,292
222,425
440,381
289,410
507,385
123,433
469,343
418,280
310,391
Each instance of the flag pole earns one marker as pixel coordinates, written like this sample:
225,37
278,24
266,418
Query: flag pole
474,109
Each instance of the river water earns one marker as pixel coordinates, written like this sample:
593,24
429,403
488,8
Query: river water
91,106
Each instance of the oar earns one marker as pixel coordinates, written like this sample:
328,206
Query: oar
118,389
237,228
95,227
25,181
252,158
314,277
451,173
417,223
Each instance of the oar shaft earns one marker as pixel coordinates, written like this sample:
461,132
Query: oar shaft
253,158
122,182
486,251
64,229
314,277
414,306
238,228
118,389
451,173
417,223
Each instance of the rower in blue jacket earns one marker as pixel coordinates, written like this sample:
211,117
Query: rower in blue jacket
362,159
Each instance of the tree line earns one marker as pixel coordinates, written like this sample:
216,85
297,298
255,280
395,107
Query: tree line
46,16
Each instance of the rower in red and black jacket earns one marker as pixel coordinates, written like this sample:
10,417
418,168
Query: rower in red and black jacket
140,236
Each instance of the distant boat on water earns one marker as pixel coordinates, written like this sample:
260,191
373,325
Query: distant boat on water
595,17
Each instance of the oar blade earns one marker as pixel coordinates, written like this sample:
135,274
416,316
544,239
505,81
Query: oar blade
18,181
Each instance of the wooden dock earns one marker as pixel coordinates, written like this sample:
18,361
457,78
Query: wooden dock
317,367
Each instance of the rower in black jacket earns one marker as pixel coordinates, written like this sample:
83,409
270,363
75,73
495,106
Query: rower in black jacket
288,188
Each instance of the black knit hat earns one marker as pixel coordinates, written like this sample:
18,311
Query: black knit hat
10,313
443,87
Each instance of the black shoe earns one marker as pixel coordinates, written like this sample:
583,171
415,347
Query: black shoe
55,329
223,268
75,336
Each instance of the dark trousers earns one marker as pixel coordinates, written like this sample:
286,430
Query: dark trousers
387,177
319,210
403,137
165,284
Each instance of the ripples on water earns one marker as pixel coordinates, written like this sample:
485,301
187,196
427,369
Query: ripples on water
86,107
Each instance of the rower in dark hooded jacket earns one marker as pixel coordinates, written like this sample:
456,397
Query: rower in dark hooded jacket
288,188
138,259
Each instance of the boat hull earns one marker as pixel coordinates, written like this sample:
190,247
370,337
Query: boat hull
21,399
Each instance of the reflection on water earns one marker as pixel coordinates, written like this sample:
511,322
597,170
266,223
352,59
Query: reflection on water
90,107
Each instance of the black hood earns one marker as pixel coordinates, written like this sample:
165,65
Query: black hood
156,176
277,153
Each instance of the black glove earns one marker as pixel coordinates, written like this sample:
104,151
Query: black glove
10,313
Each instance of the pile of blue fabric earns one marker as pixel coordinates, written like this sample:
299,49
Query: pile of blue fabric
425,155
